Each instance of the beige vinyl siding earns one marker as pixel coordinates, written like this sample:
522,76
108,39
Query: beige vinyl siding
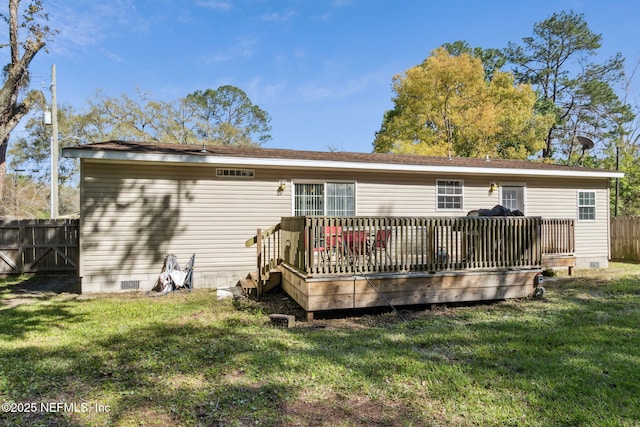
135,213
558,198
144,212
415,195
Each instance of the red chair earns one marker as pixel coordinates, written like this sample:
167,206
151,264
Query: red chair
329,242
381,243
333,238
356,242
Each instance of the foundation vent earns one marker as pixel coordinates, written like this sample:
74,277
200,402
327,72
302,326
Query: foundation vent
594,264
130,285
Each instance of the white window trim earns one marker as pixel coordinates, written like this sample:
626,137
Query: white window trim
595,205
324,182
461,208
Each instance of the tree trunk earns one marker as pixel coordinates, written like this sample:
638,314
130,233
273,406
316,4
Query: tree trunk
3,165
547,152
16,76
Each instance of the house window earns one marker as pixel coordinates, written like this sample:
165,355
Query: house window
449,194
330,199
586,205
235,173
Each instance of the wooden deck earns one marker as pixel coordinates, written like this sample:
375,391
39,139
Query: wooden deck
330,263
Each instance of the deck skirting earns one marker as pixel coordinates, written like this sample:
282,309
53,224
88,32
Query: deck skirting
334,292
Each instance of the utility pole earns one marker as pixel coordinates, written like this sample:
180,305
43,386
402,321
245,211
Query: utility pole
54,146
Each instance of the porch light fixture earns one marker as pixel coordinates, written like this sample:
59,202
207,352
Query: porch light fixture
282,184
493,187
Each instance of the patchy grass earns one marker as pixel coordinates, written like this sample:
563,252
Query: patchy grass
571,358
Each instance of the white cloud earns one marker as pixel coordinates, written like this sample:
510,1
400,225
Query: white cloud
87,25
113,57
215,4
340,89
278,17
243,48
261,93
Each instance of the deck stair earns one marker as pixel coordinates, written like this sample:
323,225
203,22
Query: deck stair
254,286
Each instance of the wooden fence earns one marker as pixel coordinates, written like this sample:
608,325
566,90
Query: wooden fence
625,238
37,246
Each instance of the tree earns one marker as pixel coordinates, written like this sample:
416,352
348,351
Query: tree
555,60
223,116
227,116
13,107
447,106
25,197
138,118
32,152
492,59
623,153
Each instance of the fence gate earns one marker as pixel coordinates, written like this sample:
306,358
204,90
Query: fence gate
10,248
32,246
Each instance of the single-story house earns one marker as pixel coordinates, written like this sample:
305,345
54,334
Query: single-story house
141,201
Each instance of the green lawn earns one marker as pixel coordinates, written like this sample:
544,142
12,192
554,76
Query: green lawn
569,359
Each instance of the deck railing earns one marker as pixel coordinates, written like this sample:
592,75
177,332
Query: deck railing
348,245
558,236
267,250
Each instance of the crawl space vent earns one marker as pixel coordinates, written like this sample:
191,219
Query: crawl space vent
129,284
594,264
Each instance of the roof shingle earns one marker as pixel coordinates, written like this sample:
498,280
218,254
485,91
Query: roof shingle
284,154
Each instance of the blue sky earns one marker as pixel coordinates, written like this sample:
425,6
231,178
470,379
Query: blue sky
322,69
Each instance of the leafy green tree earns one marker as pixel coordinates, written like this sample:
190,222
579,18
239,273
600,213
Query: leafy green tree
492,59
33,152
556,61
27,34
227,116
447,106
141,118
222,116
138,118
623,153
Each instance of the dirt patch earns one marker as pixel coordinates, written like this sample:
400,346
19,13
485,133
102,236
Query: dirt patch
37,288
346,410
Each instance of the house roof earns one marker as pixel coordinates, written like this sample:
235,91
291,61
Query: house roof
283,159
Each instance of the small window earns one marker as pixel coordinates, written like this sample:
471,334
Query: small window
235,173
449,194
586,205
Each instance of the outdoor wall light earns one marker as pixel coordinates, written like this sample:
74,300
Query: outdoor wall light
282,184
493,187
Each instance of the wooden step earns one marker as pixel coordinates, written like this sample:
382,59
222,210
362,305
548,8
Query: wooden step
275,277
248,286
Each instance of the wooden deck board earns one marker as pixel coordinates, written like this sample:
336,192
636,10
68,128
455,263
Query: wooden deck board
343,292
